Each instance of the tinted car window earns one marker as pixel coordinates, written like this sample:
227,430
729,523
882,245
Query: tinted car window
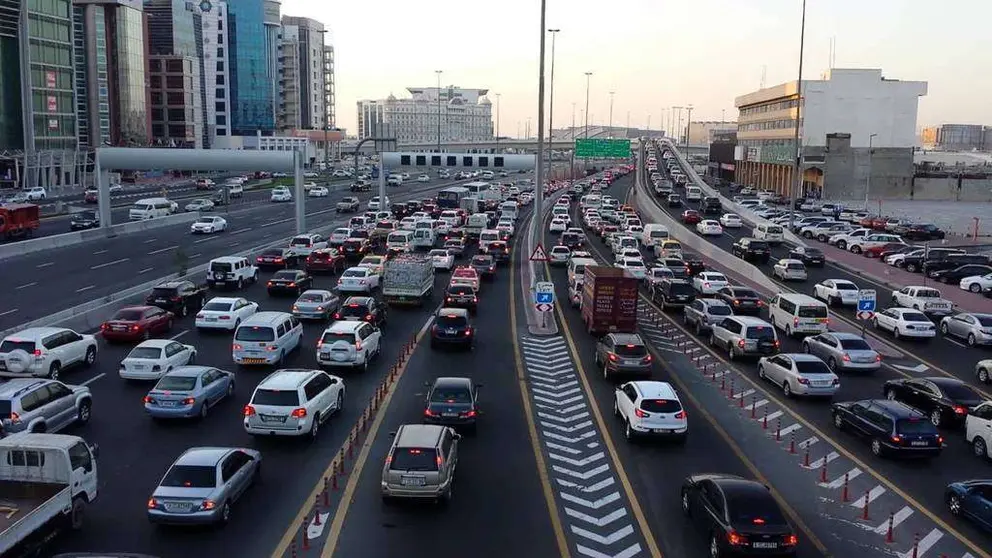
915,426
276,397
128,315
750,510
190,476
451,321
744,293
755,245
414,459
164,291
354,310
8,346
217,306
812,312
960,392
176,383
661,406
451,395
682,289
461,290
854,345
719,310
145,352
811,367
764,333
255,333
631,350
914,317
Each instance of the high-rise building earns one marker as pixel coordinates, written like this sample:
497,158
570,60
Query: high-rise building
464,115
329,92
216,71
252,41
302,98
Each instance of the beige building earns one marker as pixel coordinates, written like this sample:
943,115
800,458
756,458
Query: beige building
176,111
929,137
701,132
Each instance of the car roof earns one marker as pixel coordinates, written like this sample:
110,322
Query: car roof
736,487
156,343
223,299
188,371
944,382
803,357
627,338
228,259
895,408
448,311
419,435
343,327
203,456
452,381
11,387
653,389
288,378
750,320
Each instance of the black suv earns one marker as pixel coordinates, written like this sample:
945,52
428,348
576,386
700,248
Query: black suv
452,326
672,293
572,240
752,250
276,258
178,297
914,263
712,206
742,299
461,296
362,309
953,261
891,427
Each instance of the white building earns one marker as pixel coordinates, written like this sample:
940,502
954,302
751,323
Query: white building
465,115
303,77
216,72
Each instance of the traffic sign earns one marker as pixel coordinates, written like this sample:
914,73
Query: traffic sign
539,255
865,314
866,300
544,307
544,293
602,148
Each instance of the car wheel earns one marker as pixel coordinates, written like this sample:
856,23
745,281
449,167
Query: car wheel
838,421
876,447
874,323
146,335
730,351
971,340
628,432
84,412
936,418
761,372
315,427
979,448
832,364
856,249
954,504
715,551
911,267
230,389
204,410
225,513
90,358
983,376
685,503
339,406
786,389
842,245
895,333
943,328
616,407
241,283
975,288
183,311
606,371
54,370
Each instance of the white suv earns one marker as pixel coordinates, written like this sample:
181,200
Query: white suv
650,407
293,402
349,344
45,351
231,271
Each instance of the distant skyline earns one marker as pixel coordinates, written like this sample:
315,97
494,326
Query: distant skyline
654,54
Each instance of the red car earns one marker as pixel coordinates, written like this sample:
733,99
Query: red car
136,322
876,251
325,260
691,217
878,223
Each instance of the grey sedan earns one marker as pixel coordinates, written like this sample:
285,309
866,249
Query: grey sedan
316,304
975,329
202,484
843,351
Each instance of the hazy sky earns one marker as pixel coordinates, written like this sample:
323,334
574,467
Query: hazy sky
653,53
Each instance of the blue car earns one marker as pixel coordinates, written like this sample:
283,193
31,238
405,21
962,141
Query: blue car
971,499
188,391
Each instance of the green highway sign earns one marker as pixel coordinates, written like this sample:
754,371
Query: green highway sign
602,148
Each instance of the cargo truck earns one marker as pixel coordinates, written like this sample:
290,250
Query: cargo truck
609,300
46,482
408,279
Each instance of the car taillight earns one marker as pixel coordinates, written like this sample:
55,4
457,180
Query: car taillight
136,327
940,440
104,327
896,439
152,504
646,359
188,401
741,343
468,331
248,411
795,321
736,539
737,302
299,412
438,461
468,414
960,410
803,381
269,284
278,260
846,357
790,540
761,303
199,316
680,415
337,315
475,299
613,357
429,413
836,381
259,260
147,399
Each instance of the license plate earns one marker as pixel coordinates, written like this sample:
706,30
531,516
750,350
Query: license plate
253,360
822,383
167,403
412,481
918,443
179,507
271,418
211,319
161,300
449,415
120,328
765,545
662,431
451,331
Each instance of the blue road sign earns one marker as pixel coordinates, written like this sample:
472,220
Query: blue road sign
866,300
544,298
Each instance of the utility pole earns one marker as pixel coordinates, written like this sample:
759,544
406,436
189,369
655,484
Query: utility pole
610,125
498,95
536,228
571,163
627,133
871,152
588,76
688,127
438,72
799,110
676,123
551,94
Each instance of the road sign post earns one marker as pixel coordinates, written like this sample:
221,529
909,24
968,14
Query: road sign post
866,307
539,255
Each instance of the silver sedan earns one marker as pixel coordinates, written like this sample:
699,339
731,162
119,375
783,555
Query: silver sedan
202,484
843,351
316,304
975,329
799,374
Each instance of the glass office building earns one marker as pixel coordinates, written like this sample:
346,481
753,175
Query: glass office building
252,95
52,103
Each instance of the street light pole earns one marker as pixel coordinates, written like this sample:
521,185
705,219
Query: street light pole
571,163
588,76
551,93
536,227
610,125
673,128
871,152
688,128
498,95
799,110
438,72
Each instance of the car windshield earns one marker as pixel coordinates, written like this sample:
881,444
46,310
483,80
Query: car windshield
854,345
254,333
414,459
744,294
451,320
311,297
354,273
960,392
190,476
176,383
812,367
719,310
631,350
451,395
439,253
164,291
761,333
915,426
285,274
460,290
276,397
661,406
128,315
273,252
145,352
354,309
206,220
914,317
747,510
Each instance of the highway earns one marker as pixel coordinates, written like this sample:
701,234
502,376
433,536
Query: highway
911,492
51,281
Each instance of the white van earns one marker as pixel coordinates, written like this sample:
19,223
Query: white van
400,241
769,232
487,237
798,314
423,238
150,208
508,209
693,193
654,234
577,270
266,338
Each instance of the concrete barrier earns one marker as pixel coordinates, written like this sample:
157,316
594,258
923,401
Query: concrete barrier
68,239
746,214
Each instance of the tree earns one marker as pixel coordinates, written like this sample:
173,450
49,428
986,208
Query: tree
182,262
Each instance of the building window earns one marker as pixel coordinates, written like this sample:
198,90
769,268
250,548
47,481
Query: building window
220,79
219,106
222,120
220,52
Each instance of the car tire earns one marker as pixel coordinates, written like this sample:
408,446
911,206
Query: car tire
971,340
84,412
204,410
832,364
183,311
979,448
314,427
984,376
912,267
761,372
786,389
877,449
616,408
842,244
936,418
225,513
77,514
90,358
838,421
54,370
943,328
628,432
686,509
856,249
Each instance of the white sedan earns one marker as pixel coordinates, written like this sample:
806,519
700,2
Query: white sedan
208,225
731,221
423,178
836,292
442,259
977,283
709,282
635,266
153,358
200,204
223,312
788,269
558,225
281,194
709,227
358,279
905,322
318,192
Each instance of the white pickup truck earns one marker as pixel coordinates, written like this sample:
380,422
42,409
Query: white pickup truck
925,299
46,482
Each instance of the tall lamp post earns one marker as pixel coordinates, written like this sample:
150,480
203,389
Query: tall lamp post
498,95
673,128
551,93
799,110
588,77
688,127
871,152
536,227
610,126
438,72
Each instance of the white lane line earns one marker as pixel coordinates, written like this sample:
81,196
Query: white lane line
180,334
93,379
26,285
958,343
160,250
45,264
85,288
150,240
241,230
8,312
235,244
107,264
98,252
146,270
196,255
203,240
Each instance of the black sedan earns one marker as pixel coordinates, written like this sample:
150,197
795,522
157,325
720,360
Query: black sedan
362,309
812,257
954,276
945,400
920,232
742,299
276,258
739,515
289,281
452,402
84,220
452,327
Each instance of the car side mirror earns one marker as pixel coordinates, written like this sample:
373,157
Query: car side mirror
479,385
392,434
334,381
95,450
456,436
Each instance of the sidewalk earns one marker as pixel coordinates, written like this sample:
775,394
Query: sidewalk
895,278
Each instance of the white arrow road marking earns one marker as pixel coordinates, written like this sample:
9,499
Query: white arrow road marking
557,384
565,449
584,476
568,401
314,529
597,521
919,368
569,429
591,504
613,537
559,411
595,487
549,375
548,367
566,439
554,351
564,420
542,342
578,462
550,363
629,552
557,393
